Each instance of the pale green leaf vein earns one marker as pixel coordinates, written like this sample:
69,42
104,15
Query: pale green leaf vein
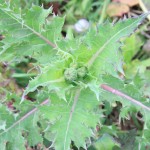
94,57
77,94
35,32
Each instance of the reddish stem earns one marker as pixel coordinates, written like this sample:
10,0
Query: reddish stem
103,86
26,115
116,92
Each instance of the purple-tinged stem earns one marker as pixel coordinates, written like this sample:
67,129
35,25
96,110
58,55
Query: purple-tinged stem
116,92
26,115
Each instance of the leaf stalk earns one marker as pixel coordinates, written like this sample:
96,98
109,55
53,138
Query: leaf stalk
119,93
25,116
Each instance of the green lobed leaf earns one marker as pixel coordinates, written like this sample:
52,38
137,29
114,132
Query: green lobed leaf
131,89
29,34
50,75
14,134
71,121
100,47
15,137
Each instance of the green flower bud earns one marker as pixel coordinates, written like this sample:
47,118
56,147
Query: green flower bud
70,74
82,72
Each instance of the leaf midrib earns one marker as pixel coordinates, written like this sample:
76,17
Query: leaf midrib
76,97
96,55
35,32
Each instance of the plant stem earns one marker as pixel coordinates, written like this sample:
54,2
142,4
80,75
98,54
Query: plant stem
103,14
143,7
118,93
25,116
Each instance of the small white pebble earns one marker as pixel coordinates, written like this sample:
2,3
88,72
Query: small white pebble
82,25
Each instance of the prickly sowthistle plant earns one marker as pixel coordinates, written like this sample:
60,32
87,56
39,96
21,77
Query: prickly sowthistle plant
71,72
